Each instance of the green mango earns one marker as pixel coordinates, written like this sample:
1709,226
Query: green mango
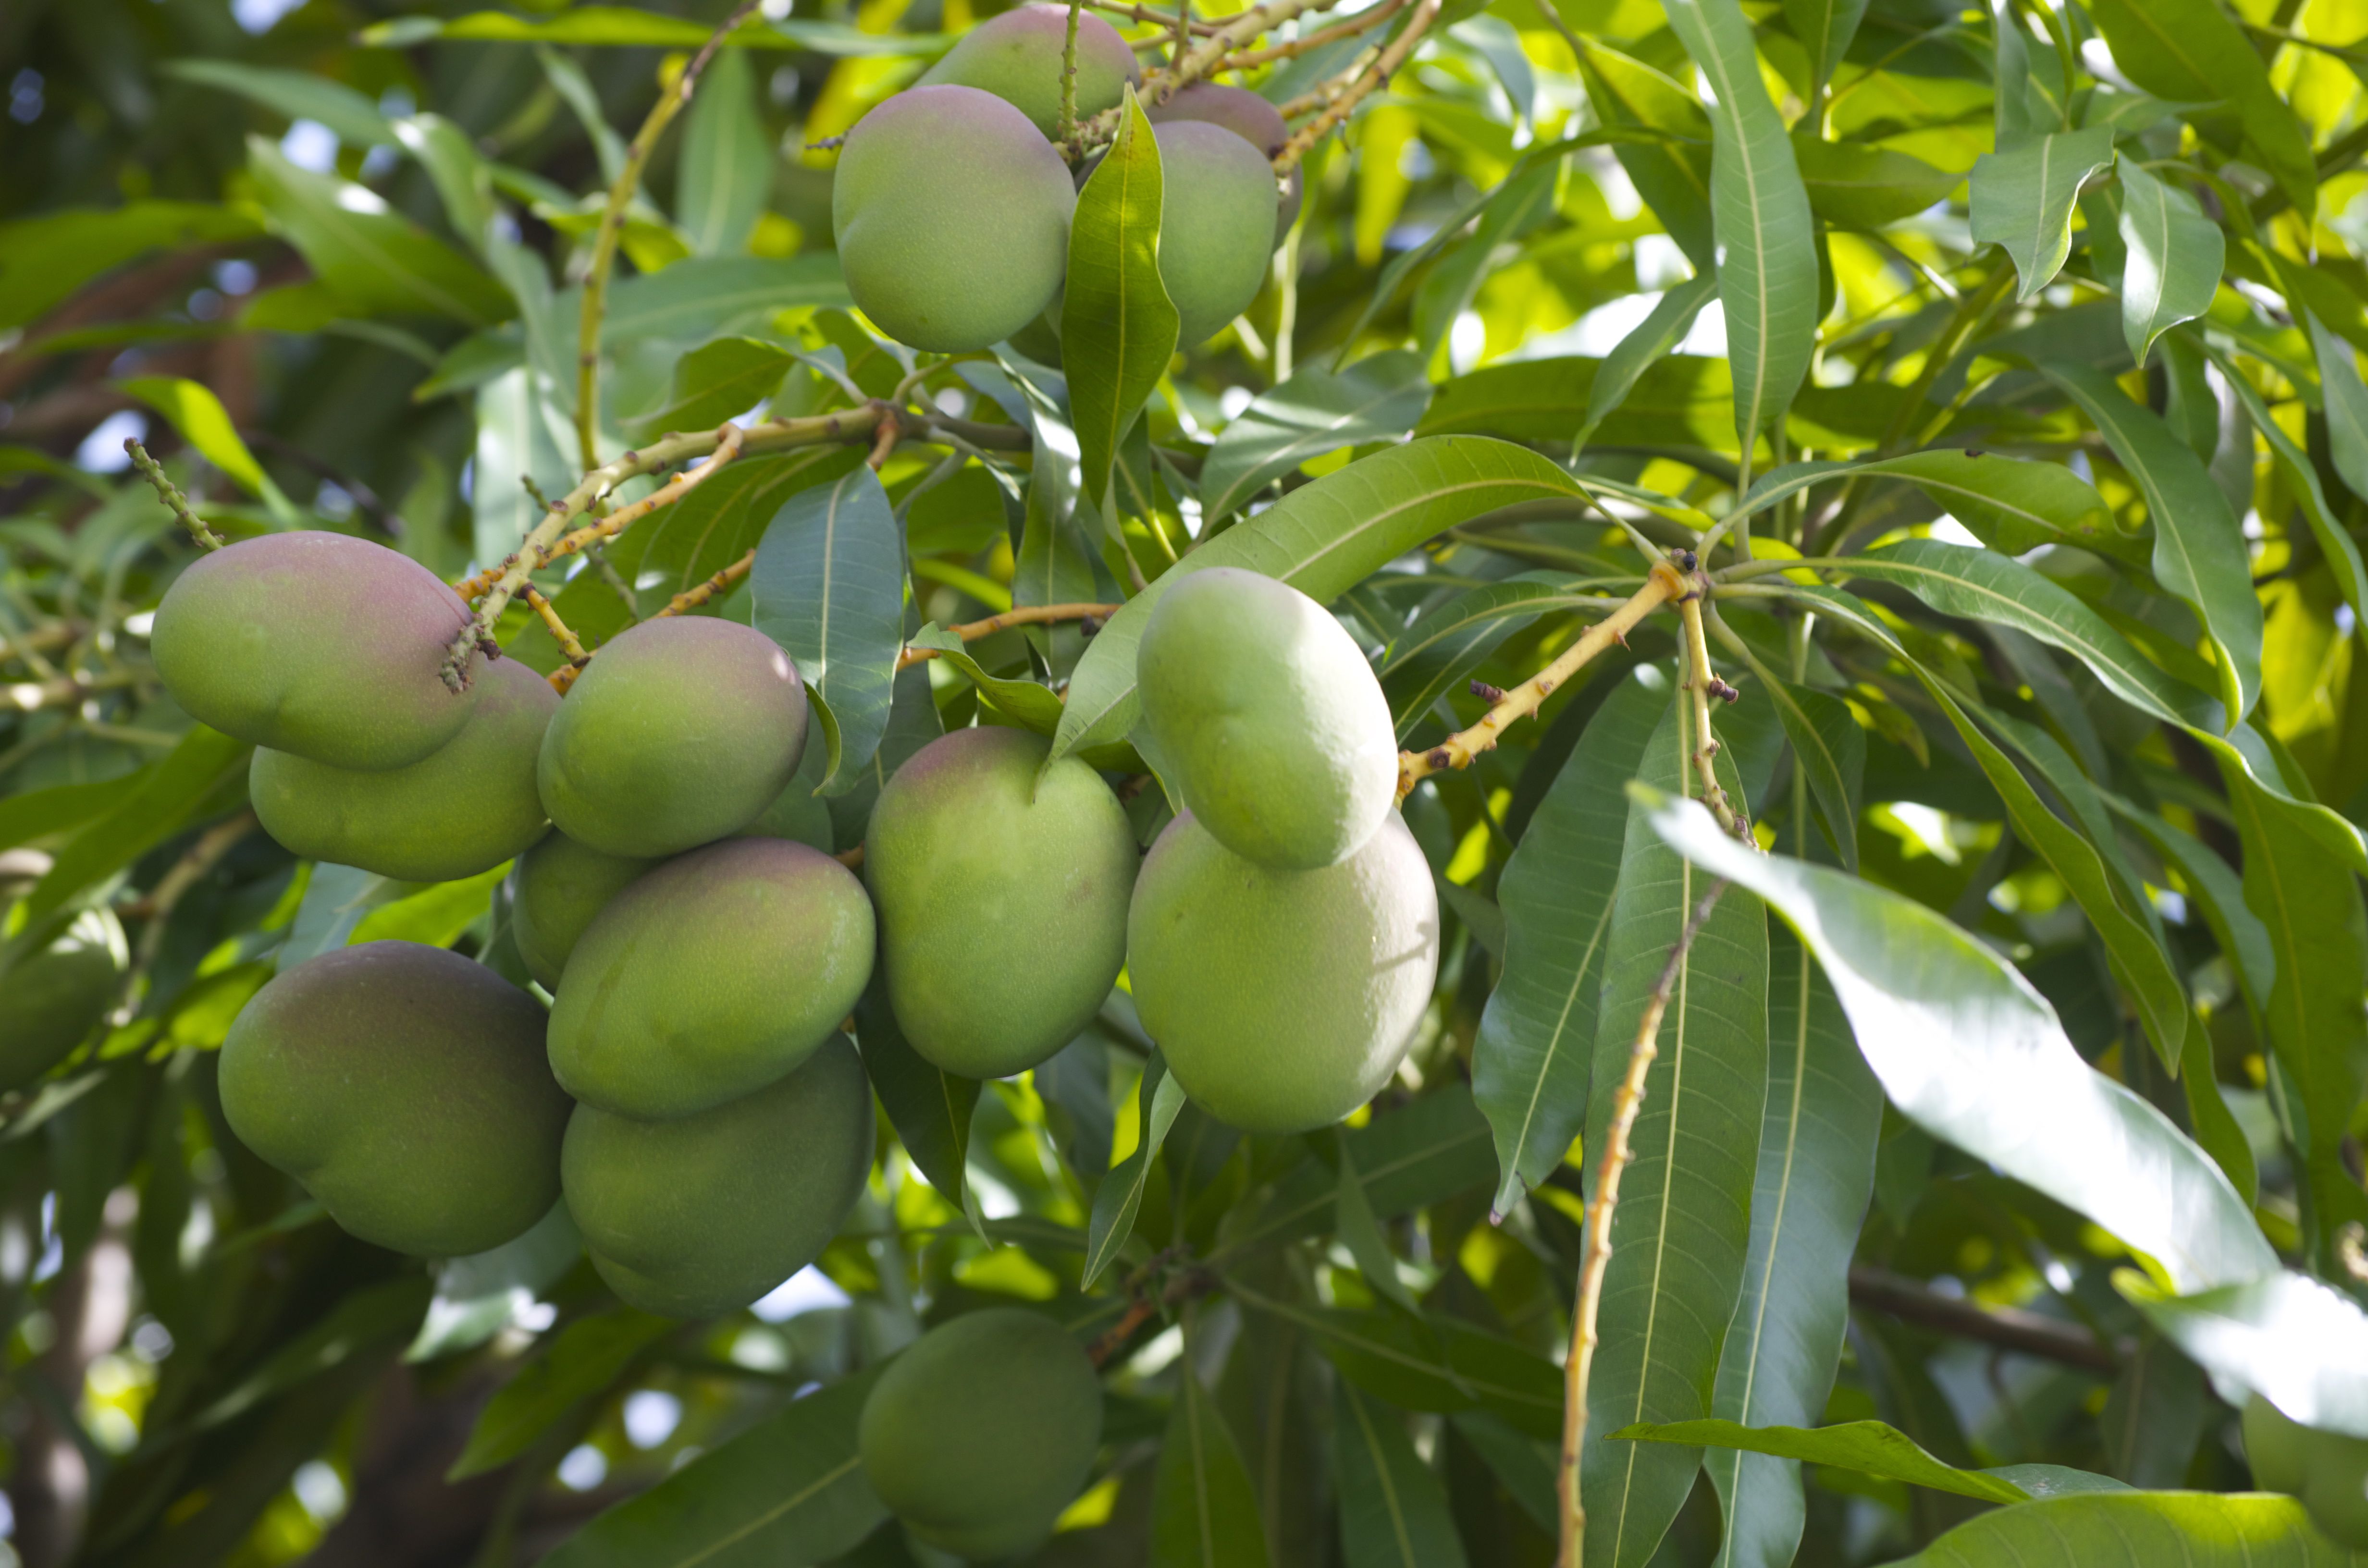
700,1216
681,731
1018,56
1283,1000
461,810
317,643
406,1088
1266,718
555,890
1247,116
1217,221
951,215
709,977
1001,896
983,1430
53,999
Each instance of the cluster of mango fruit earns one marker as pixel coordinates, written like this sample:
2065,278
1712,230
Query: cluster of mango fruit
951,201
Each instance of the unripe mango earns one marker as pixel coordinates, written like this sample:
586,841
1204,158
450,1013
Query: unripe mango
983,1431
1247,116
462,809
1017,57
555,890
1283,1000
52,1000
951,215
1268,719
1001,896
406,1088
316,643
1216,224
709,977
681,732
693,1218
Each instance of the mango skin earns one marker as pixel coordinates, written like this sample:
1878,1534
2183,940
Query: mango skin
709,977
556,888
983,1431
317,643
50,1001
1002,900
698,1217
952,216
681,731
1216,224
1017,57
406,1088
1283,1000
1269,720
1247,116
461,810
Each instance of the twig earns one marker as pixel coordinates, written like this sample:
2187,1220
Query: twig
2009,1328
1702,684
62,691
577,656
1364,22
884,438
1596,1258
1149,17
692,599
1225,38
670,102
157,907
1143,1305
1662,584
1026,615
1323,93
170,493
1385,66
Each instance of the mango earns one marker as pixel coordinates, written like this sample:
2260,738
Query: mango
1247,116
951,215
983,1431
1016,56
555,890
698,1217
709,977
317,643
406,1088
681,731
51,1000
462,809
2277,1449
1216,224
1283,1000
1001,898
1266,718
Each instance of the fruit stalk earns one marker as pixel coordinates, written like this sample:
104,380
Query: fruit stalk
1596,1258
1065,132
168,491
569,644
1378,75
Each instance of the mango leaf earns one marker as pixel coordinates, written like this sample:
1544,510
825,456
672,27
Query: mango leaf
828,585
1825,28
1121,1192
1968,1051
788,1490
2197,1530
2346,397
1831,748
1857,187
720,380
1817,1170
44,259
1433,1364
2175,254
1414,1156
1682,1234
2022,200
1649,342
930,1108
522,433
1118,326
1767,239
378,1318
375,260
1446,290
38,814
1204,1513
1321,539
2010,504
2334,539
195,773
1870,1447
697,298
1315,411
1394,1511
726,167
205,423
581,1362
1533,1057
2294,1340
2188,51
1430,659
294,95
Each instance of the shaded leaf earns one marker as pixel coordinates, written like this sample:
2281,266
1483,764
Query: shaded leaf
726,168
579,1362
1392,1509
720,380
2188,51
1858,187
372,258
1313,413
1118,326
1204,1513
1121,1192
828,585
930,1107
1649,342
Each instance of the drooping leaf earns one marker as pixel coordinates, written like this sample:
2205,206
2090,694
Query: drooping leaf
726,169
2174,257
1650,341
2346,397
1430,1363
1118,326
828,585
2024,199
1313,413
1410,1158
1204,1513
1392,1509
193,775
2334,539
2294,1340
44,259
206,425
705,295
373,259
2197,1529
2188,51
294,95
579,1362
1120,1195
1825,28
1870,1447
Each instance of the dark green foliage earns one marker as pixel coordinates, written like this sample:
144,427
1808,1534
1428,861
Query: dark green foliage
51,999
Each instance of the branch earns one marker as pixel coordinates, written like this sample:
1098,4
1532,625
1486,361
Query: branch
1143,1304
1201,61
1364,22
169,493
1702,684
692,599
2009,1328
1149,17
1596,1258
1662,584
1026,615
1377,75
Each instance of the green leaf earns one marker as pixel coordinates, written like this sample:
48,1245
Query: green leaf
1446,290
2010,504
726,167
373,258
1118,327
930,1108
581,1362
38,814
828,585
1430,659
1831,748
44,259
294,95
2188,51
1392,1509
2175,254
2334,539
1533,1057
377,1319
522,433
1651,341
2346,397
205,424
2022,200
1968,1051
1682,1232
1360,1232
788,1490
1868,1447
622,27
1410,1158
1204,1513
2195,1529
1817,1171
697,298
1322,539
2294,1340
1315,411
1825,28
193,775
1767,239
1858,187
1434,1364
1121,1192
720,380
